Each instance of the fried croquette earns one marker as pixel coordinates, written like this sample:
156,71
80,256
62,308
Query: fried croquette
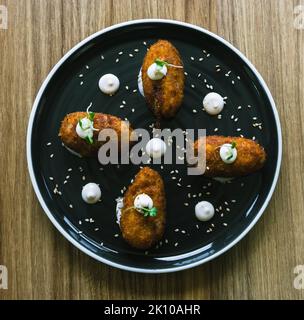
70,138
164,97
139,231
250,156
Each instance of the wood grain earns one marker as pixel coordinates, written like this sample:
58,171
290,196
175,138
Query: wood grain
41,263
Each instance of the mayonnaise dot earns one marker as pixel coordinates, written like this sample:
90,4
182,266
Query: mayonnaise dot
109,84
227,153
143,201
213,103
91,193
155,148
204,211
155,72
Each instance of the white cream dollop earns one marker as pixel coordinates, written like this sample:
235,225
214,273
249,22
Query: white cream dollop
91,193
204,211
109,83
228,153
85,129
213,103
155,148
156,72
143,201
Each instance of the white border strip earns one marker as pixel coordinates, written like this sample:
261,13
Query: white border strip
29,139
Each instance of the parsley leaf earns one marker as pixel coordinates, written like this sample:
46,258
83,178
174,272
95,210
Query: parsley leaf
91,115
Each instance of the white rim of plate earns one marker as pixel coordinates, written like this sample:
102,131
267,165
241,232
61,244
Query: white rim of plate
33,178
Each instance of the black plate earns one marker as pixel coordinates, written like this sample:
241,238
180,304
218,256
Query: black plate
73,85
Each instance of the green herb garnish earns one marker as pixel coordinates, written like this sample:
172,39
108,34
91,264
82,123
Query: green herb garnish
145,211
233,145
160,63
80,124
230,157
89,139
91,115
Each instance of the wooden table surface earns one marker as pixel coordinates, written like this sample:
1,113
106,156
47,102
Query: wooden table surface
41,263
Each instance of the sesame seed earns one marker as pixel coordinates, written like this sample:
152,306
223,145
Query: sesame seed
52,155
135,90
136,50
81,75
218,70
131,55
51,178
116,235
117,60
79,222
120,53
199,75
102,57
194,111
238,129
186,204
239,107
200,59
175,244
81,83
185,73
49,143
127,87
215,129
83,178
70,169
133,110
71,206
144,43
176,230
225,224
192,58
87,67
232,82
